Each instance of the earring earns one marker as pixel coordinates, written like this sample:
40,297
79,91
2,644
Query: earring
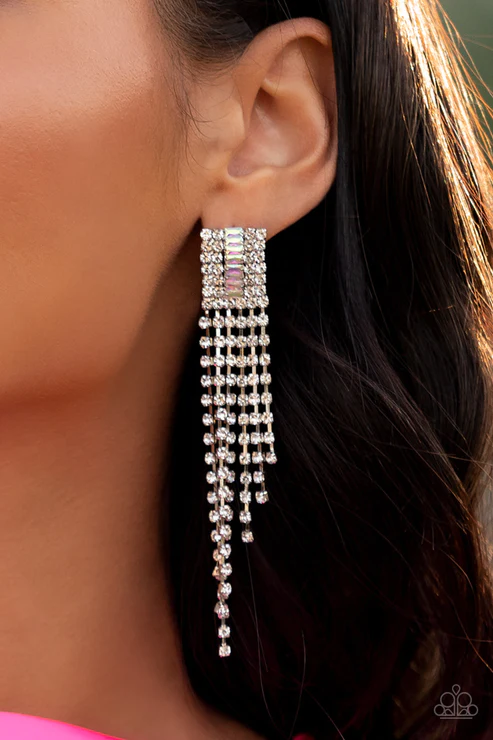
236,394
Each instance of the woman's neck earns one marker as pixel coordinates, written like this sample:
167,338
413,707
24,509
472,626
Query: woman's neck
86,631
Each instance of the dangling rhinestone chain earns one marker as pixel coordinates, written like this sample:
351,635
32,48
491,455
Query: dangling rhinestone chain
236,381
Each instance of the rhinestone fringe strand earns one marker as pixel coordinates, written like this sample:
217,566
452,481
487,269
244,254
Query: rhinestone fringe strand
236,396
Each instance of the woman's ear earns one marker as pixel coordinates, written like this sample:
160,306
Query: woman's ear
272,130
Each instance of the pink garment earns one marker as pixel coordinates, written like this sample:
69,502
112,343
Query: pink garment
14,726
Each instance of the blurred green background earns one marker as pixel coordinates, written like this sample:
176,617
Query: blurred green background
474,21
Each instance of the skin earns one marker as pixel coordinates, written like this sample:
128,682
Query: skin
99,256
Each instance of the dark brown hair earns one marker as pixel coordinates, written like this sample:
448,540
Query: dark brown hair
367,593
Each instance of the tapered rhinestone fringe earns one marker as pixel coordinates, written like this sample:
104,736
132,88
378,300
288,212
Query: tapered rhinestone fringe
236,397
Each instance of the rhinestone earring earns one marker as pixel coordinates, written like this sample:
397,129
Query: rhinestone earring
236,383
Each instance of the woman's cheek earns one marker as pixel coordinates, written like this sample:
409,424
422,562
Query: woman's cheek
82,125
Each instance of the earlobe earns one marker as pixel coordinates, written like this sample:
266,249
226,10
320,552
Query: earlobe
286,160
